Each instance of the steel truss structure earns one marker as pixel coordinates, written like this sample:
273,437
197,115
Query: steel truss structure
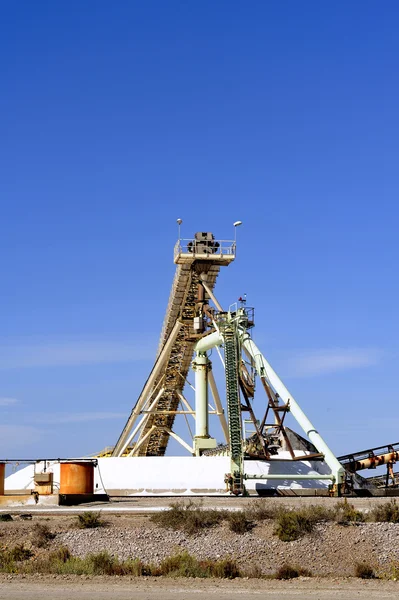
195,322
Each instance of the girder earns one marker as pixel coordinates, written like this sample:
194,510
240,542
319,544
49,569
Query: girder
194,263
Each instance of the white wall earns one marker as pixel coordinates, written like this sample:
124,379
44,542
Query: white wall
175,474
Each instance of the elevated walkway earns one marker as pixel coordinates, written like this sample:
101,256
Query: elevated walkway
159,401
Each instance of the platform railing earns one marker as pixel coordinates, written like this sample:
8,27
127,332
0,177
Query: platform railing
208,247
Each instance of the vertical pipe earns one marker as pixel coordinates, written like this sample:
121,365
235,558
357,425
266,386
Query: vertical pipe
201,395
2,477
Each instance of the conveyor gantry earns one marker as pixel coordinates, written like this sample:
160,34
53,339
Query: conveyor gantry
160,397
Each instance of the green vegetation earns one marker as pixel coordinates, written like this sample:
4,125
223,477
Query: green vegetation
61,562
347,514
292,525
190,517
239,522
90,520
6,517
388,512
185,565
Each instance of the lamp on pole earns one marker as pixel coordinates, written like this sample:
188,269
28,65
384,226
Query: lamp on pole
236,224
179,222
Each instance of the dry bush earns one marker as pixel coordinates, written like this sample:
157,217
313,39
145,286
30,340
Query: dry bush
10,559
90,520
289,572
388,512
6,517
62,554
263,510
60,562
238,522
185,565
42,535
346,513
292,525
254,571
225,568
189,517
364,571
19,553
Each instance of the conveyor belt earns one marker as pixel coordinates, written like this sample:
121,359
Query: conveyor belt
174,352
371,458
181,305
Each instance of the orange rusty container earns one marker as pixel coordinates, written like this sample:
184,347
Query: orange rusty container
77,478
2,476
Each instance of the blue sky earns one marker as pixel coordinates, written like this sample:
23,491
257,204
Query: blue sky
118,118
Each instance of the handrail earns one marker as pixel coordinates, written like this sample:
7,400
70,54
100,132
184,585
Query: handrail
214,247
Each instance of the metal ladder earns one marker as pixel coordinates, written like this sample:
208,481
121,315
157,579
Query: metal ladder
231,354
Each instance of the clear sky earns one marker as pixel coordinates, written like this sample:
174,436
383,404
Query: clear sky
116,118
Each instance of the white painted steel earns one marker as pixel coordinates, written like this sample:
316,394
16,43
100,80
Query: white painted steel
211,294
121,443
200,366
264,369
219,407
142,422
294,477
208,342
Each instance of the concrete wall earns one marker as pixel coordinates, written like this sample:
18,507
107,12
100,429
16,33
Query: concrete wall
178,475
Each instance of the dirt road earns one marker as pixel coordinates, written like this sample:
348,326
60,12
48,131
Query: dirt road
17,588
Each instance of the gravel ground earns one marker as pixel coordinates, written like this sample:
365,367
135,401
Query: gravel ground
331,550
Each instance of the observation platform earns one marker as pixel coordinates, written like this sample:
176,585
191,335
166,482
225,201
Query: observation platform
218,252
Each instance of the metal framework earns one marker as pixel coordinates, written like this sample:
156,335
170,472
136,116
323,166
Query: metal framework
195,323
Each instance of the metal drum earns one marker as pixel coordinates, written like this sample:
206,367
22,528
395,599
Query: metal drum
77,478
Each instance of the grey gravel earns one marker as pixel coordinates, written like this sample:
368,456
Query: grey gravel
329,550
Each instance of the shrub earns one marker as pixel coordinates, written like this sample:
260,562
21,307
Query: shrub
103,564
364,571
62,554
226,568
292,525
190,517
238,522
388,512
346,513
90,520
19,553
182,565
6,517
7,565
134,567
254,571
60,562
262,510
289,572
185,565
42,535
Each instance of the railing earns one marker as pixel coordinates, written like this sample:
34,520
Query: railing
208,247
